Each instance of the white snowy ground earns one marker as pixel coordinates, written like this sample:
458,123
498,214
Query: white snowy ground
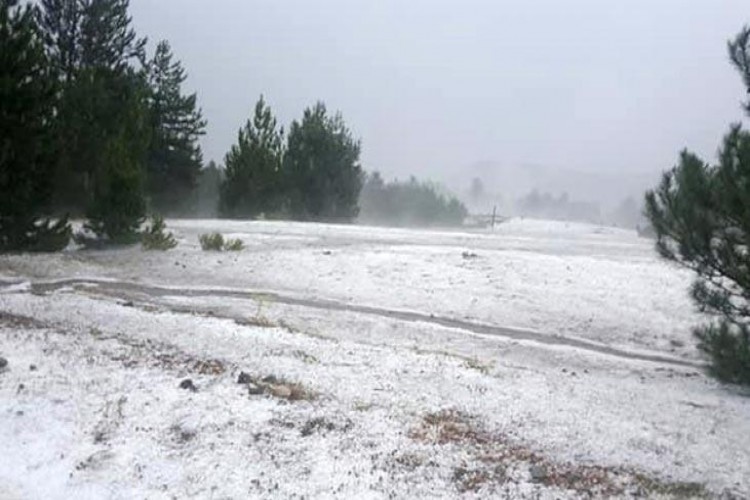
538,360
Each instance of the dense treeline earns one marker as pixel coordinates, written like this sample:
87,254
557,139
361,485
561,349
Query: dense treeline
410,203
94,127
91,126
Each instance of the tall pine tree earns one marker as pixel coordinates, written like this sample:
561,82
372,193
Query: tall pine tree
701,216
101,120
321,168
27,97
252,183
174,157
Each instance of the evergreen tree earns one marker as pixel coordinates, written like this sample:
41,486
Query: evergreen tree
252,183
101,119
321,168
701,216
174,157
118,205
27,96
61,23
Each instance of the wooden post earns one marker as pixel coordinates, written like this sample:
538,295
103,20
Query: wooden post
494,212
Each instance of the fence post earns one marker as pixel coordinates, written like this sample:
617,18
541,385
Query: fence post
494,211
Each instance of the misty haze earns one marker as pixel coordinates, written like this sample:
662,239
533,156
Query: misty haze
424,249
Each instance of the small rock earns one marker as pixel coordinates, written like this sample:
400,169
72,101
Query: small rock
270,379
280,391
3,363
254,390
538,473
244,378
129,303
187,384
32,368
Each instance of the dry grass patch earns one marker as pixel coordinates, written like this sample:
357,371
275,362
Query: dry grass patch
480,366
494,454
448,426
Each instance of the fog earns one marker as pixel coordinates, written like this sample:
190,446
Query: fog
586,97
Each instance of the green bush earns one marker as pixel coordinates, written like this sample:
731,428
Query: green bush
215,242
212,242
233,245
155,237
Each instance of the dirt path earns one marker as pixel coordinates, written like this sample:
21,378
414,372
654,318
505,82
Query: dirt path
121,288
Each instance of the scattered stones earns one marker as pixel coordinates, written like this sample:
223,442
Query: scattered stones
318,423
275,387
187,384
255,390
469,255
182,434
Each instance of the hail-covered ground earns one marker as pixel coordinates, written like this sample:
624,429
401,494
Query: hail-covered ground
535,360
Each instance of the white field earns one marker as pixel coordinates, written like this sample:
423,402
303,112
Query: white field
443,364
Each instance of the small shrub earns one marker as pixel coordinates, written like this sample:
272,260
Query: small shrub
212,242
234,245
155,237
729,348
215,242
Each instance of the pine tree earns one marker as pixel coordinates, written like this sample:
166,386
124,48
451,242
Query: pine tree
321,168
27,96
174,158
118,205
701,216
252,183
101,119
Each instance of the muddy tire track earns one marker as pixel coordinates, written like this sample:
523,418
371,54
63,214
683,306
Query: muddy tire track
116,287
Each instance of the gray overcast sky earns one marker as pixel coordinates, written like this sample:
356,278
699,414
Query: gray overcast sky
434,86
